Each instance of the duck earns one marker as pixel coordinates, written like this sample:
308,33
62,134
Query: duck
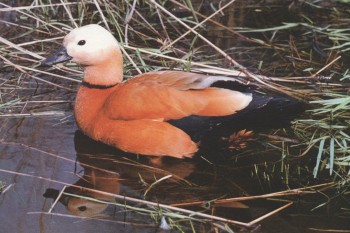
153,113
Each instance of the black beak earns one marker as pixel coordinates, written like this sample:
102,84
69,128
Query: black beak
59,56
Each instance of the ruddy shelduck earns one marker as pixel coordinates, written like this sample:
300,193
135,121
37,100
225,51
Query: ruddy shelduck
141,115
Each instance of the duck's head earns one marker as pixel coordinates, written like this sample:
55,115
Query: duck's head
89,45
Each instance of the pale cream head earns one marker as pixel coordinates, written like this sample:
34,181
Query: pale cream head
90,45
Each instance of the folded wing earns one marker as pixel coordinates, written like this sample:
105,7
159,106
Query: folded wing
170,95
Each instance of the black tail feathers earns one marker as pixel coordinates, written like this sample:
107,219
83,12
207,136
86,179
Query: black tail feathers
265,111
271,110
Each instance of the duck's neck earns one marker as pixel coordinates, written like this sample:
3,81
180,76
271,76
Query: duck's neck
108,73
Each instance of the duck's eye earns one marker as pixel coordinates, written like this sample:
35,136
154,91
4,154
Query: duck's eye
81,42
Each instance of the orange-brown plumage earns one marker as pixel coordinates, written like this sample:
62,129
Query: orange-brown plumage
133,115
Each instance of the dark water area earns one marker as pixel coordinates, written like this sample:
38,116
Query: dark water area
55,179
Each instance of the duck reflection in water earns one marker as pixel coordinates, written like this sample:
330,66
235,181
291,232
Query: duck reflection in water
108,171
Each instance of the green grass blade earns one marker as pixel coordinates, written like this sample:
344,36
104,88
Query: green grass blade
331,155
319,155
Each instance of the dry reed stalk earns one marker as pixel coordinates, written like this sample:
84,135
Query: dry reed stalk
57,156
12,45
95,219
6,189
298,191
48,73
149,26
270,214
200,24
30,16
40,41
18,8
32,76
21,26
57,199
128,17
326,66
69,13
34,114
101,14
260,42
328,230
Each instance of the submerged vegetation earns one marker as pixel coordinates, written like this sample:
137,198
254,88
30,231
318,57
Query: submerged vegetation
302,51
